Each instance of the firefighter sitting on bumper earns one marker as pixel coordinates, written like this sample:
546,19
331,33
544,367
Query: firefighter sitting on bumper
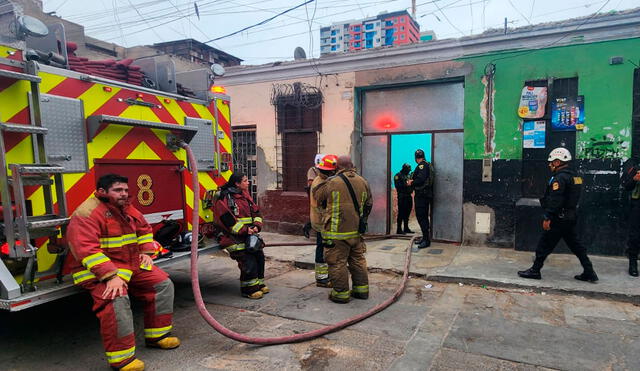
239,217
112,243
344,223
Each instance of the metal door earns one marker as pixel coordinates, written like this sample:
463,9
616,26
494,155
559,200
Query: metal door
446,217
244,157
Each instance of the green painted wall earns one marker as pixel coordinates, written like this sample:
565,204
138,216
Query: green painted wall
607,90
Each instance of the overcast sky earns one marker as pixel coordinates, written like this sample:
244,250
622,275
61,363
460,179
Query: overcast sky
140,22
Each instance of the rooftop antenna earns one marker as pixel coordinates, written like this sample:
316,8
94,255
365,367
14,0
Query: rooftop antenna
413,9
299,54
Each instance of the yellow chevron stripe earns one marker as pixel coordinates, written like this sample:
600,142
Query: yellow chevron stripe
95,97
49,81
5,51
105,140
174,109
143,152
14,99
202,111
206,182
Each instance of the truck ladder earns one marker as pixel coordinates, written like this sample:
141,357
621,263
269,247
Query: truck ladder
20,228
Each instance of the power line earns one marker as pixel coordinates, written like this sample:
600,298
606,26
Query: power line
144,19
445,16
519,12
261,23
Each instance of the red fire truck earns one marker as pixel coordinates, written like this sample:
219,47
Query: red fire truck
60,129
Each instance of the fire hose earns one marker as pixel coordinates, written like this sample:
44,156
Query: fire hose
272,340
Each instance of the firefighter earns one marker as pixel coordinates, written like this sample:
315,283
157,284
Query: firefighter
348,199
632,183
326,167
112,244
405,203
560,203
422,183
239,217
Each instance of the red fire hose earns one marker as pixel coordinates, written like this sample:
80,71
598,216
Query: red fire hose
274,340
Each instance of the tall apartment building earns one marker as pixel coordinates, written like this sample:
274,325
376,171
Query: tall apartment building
395,28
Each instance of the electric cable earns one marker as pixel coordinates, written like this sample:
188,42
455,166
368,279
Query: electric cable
197,294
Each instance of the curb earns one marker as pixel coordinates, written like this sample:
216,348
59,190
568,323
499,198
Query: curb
625,298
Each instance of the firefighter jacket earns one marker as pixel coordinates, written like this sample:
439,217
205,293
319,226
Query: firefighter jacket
340,221
106,240
235,211
317,210
400,182
423,179
561,196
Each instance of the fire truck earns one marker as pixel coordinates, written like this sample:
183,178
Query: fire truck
61,129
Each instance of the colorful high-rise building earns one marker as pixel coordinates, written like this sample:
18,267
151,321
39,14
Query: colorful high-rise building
395,28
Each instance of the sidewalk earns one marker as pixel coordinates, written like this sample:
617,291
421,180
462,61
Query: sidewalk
480,266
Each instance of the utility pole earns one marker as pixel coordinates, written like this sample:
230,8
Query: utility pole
413,9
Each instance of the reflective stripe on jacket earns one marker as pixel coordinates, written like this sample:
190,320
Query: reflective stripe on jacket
340,221
106,241
235,223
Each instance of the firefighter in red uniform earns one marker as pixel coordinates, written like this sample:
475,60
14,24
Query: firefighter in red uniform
239,217
111,244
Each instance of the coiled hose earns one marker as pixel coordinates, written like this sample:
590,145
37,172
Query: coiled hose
273,340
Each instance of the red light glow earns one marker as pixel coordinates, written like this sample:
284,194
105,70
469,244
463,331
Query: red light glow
387,122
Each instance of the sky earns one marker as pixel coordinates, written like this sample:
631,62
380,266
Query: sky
143,22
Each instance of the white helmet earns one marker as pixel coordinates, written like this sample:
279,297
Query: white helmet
318,158
561,154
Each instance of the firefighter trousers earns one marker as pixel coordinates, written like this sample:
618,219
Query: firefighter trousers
321,268
251,266
344,257
155,290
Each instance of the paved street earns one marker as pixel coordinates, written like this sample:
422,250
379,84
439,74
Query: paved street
436,326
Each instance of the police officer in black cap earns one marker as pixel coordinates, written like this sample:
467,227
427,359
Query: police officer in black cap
405,203
559,203
422,183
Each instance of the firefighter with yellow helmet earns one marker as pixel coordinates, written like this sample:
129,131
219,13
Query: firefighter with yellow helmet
326,167
348,199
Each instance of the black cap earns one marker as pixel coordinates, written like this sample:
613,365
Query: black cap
419,153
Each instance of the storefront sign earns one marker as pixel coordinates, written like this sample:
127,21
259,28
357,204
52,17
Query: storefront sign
534,134
567,114
532,102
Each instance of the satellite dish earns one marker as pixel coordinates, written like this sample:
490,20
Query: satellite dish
29,26
299,54
217,69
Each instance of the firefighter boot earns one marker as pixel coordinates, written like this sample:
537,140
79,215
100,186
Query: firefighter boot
170,342
633,266
254,295
324,283
531,273
265,290
340,297
135,365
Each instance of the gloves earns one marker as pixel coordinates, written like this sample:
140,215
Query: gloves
306,229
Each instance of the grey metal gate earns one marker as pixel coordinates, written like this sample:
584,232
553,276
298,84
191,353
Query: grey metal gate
244,156
446,216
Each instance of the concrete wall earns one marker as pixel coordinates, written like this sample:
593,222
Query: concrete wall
250,105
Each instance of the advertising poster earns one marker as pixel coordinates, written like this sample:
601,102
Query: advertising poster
534,134
567,114
532,102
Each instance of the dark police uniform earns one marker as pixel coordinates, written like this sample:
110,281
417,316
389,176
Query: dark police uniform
633,243
560,203
405,203
423,188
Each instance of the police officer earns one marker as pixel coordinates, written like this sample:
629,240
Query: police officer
632,183
405,203
422,183
559,203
